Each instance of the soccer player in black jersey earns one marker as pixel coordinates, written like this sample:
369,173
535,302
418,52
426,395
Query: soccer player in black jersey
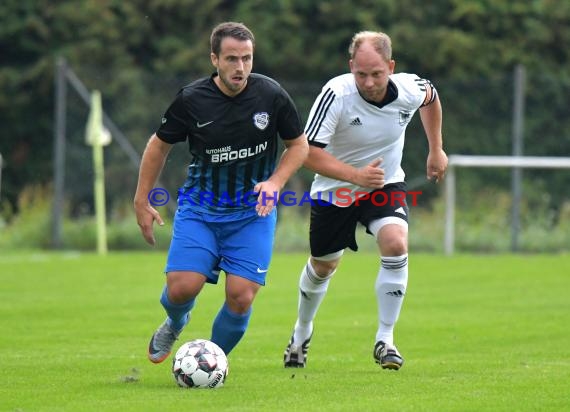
226,213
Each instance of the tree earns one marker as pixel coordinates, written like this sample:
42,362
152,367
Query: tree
139,52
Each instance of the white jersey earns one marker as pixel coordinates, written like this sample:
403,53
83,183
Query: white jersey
357,132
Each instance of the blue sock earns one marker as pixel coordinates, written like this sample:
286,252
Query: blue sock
178,315
228,328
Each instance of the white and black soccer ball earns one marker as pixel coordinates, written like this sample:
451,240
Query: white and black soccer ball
200,363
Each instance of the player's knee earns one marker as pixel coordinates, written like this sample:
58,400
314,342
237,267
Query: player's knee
394,246
183,286
239,306
179,293
239,302
324,268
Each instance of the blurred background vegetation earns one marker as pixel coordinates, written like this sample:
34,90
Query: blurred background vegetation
138,53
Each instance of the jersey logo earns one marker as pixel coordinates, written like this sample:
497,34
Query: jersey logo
356,122
400,210
405,117
200,125
261,120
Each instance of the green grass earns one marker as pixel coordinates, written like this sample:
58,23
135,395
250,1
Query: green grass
477,332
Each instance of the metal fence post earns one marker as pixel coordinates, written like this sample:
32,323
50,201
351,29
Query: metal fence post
59,152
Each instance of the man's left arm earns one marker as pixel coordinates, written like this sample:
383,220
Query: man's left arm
295,153
431,116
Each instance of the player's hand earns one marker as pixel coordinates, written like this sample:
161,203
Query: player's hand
371,175
268,197
436,165
146,215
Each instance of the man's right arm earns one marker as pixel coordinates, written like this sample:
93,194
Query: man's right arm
320,129
152,162
322,162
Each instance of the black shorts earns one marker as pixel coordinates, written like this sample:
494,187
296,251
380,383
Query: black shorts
333,228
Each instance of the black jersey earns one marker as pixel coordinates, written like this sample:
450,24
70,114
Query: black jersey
233,140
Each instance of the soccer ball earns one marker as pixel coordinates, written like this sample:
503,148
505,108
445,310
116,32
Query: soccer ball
200,363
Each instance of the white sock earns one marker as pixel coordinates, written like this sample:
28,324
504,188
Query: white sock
312,290
391,286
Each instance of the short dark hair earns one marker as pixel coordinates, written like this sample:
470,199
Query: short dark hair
238,31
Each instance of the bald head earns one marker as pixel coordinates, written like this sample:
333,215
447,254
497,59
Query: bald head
380,42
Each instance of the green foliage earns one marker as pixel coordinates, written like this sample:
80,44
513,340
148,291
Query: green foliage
139,53
483,224
31,228
297,39
292,233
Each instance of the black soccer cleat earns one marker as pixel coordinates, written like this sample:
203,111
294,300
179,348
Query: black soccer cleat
387,356
296,356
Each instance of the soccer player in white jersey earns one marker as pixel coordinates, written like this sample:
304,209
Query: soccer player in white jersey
356,130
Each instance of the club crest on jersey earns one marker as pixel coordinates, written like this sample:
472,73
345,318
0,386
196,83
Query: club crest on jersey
261,120
405,117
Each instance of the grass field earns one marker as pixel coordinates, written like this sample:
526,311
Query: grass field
479,333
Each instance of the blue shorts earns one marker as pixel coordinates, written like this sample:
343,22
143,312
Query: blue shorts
205,244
